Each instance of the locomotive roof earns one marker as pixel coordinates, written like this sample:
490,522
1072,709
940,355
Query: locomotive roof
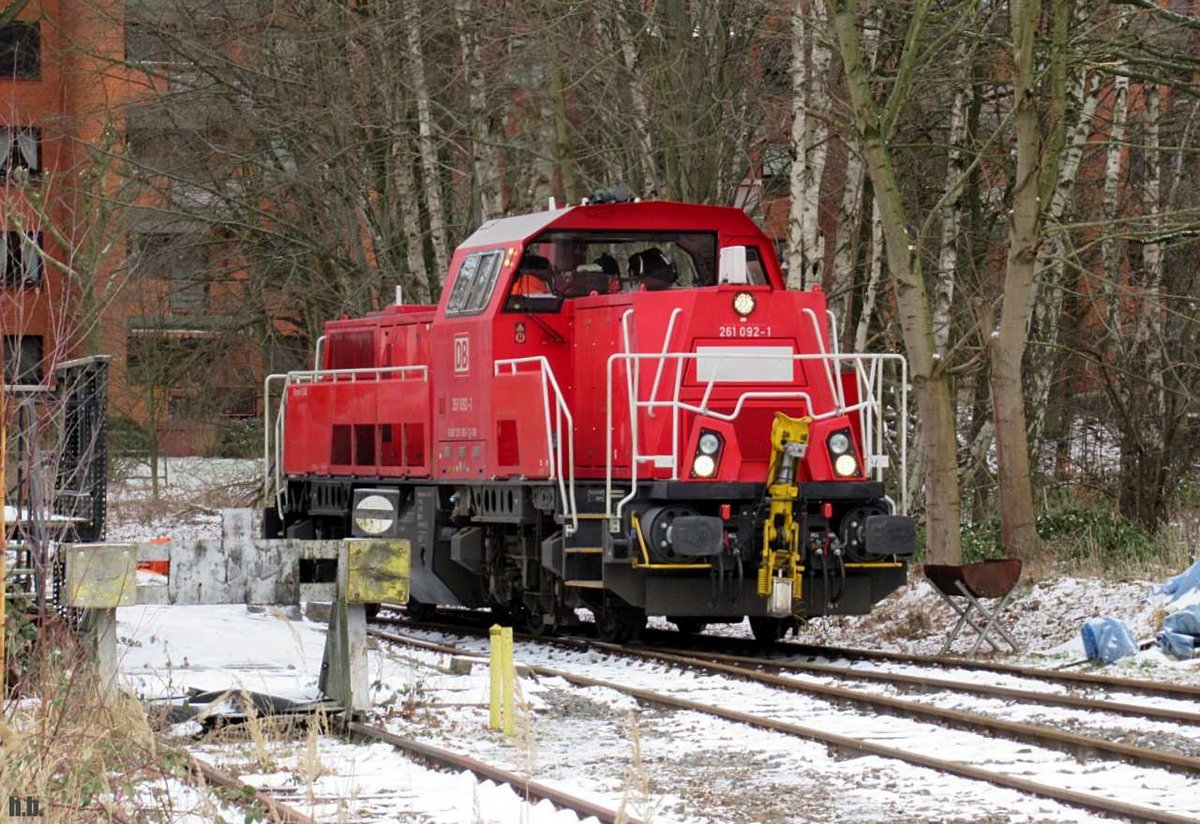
644,216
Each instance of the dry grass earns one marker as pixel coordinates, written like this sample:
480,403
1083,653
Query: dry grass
80,751
636,797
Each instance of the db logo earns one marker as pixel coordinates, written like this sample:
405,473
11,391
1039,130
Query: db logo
462,354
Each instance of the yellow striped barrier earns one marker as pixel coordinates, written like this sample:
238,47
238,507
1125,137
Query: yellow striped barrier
503,675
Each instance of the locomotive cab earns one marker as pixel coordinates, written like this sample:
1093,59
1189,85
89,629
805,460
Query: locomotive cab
623,409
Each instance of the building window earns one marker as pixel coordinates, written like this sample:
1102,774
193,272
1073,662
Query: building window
146,43
23,359
20,51
21,263
20,148
178,260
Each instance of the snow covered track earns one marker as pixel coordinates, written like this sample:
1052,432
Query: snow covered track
958,753
1185,692
922,682
527,787
275,809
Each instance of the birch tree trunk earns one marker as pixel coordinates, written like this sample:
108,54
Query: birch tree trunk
817,147
1037,166
430,170
875,271
1110,246
943,291
641,107
930,385
798,175
563,161
849,224
485,160
410,222
1052,269
1144,437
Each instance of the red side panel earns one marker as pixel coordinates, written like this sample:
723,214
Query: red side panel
519,429
364,424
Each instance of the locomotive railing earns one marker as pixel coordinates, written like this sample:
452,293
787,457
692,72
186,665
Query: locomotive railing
273,468
562,472
869,372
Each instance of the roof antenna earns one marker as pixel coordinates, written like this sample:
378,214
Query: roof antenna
552,206
399,294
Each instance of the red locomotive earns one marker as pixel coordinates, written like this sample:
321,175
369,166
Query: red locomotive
616,406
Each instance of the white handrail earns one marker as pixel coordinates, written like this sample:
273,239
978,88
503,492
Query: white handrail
833,392
273,470
868,406
554,445
836,349
317,354
666,344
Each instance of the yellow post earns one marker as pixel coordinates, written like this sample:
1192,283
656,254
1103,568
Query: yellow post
510,676
494,671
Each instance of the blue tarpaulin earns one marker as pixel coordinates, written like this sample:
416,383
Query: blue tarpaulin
1186,621
1178,586
1107,640
1177,644
1181,633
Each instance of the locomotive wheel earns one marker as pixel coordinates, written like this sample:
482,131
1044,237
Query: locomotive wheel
768,630
689,626
534,622
617,625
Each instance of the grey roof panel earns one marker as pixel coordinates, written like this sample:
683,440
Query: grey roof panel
512,229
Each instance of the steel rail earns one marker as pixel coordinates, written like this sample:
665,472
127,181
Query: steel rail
523,785
277,810
1016,730
1187,692
1027,696
1072,797
1184,692
1072,742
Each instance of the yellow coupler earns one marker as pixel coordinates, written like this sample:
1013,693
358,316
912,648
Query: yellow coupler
781,533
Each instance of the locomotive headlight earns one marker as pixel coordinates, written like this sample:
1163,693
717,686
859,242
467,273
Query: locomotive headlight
710,443
743,303
704,466
839,443
845,466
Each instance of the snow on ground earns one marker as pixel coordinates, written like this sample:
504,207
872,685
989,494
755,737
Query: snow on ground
664,765
660,764
192,492
1044,618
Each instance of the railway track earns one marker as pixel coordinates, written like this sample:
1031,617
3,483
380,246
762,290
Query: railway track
793,649
526,786
784,655
806,659
751,669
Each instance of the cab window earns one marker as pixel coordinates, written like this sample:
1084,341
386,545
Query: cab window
475,283
588,263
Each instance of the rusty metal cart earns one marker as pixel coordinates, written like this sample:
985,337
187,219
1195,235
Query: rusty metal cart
963,588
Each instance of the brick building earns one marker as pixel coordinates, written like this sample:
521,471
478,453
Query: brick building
58,95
